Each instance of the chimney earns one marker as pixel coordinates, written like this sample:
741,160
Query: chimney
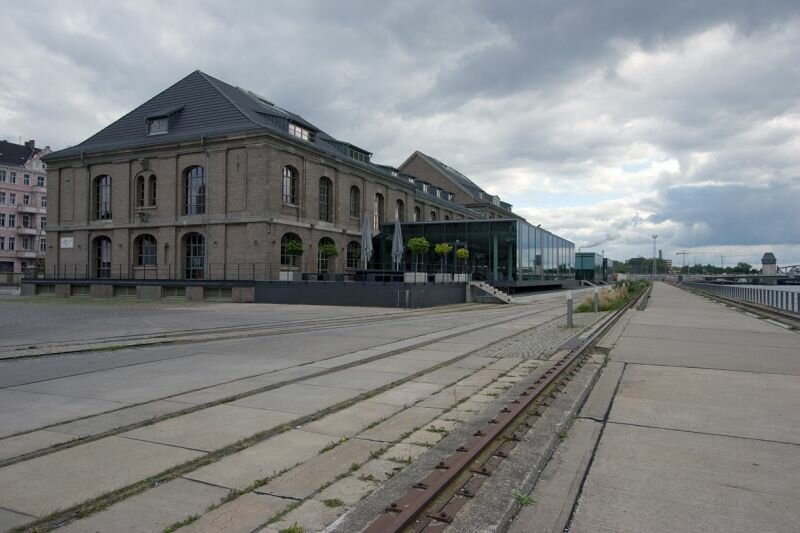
30,144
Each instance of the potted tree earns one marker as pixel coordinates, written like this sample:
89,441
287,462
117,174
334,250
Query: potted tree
462,254
290,272
417,246
442,250
328,251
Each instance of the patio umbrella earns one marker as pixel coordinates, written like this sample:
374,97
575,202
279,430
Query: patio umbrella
366,240
397,245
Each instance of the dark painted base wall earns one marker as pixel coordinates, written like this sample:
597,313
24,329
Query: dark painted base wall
361,294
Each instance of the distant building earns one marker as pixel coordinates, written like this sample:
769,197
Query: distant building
23,205
668,262
769,265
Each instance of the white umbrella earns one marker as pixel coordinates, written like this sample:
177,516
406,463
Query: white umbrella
397,245
366,240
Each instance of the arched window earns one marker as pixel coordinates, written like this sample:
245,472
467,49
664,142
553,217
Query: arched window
447,217
152,190
417,214
325,199
378,210
400,211
102,188
102,255
140,191
324,261
355,202
194,256
289,188
146,250
288,258
194,191
353,254
433,216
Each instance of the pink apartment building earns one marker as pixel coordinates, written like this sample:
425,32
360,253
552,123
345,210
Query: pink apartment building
23,205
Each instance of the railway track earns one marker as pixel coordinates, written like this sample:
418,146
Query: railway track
431,504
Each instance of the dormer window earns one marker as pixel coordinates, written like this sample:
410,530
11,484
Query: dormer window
359,156
157,126
301,133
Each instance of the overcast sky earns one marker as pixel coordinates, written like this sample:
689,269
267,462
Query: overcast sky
606,122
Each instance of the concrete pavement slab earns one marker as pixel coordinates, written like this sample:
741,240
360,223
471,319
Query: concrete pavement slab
455,346
355,378
262,460
702,334
647,479
349,490
378,469
445,375
312,515
449,397
557,488
673,352
298,398
407,394
9,519
152,510
348,358
407,420
400,365
115,419
72,476
25,410
742,404
599,400
438,356
303,481
242,515
481,378
29,442
210,429
351,420
404,452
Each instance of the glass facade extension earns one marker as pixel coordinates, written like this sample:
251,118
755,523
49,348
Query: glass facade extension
589,266
505,249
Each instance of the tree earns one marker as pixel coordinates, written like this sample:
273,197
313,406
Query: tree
294,249
417,246
442,249
327,251
462,254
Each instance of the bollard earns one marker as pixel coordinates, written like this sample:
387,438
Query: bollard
569,309
596,299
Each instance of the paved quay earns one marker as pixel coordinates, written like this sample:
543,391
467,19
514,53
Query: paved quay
698,425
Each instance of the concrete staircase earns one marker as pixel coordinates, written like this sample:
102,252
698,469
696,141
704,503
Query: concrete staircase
486,293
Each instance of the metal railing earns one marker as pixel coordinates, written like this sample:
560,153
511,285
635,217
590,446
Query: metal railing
770,297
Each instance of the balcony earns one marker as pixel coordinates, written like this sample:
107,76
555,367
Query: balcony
27,208
26,254
27,231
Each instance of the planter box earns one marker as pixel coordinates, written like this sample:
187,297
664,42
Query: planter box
462,278
290,275
443,278
415,277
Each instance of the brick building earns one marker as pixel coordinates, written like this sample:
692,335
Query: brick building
208,180
23,205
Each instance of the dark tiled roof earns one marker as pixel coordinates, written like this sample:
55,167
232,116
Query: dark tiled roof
203,106
457,176
15,154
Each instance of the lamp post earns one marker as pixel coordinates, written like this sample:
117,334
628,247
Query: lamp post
654,257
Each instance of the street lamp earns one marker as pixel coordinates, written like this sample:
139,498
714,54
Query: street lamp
654,257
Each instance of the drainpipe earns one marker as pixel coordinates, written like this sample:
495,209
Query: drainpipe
88,210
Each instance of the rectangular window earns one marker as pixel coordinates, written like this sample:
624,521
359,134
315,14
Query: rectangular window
43,222
12,221
2,176
44,201
40,181
12,198
26,243
12,178
11,243
2,243
42,245
157,126
26,199
2,220
2,197
359,156
26,179
301,133
26,221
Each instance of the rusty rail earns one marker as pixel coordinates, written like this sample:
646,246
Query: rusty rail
497,437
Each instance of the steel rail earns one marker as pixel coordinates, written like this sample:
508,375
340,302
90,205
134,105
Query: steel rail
406,511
